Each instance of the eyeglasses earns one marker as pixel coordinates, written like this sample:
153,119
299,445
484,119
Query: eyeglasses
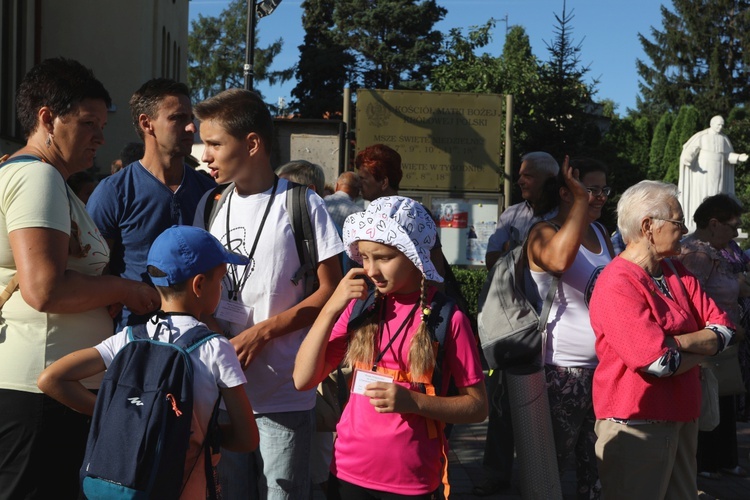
598,191
679,223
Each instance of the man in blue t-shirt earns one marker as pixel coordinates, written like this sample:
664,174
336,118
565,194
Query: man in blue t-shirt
132,207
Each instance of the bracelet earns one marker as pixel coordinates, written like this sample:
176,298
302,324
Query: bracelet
677,341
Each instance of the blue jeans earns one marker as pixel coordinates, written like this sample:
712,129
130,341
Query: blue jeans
279,468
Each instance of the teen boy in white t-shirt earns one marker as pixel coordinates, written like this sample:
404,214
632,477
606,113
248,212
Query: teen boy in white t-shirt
262,310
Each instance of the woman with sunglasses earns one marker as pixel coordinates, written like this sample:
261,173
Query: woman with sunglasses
654,324
706,253
575,248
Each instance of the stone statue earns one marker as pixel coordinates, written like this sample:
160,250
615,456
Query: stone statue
706,168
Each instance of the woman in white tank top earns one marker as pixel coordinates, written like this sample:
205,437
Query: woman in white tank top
575,248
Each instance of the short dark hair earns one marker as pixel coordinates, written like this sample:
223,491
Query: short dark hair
170,291
721,207
381,161
60,84
239,112
586,165
550,198
146,100
133,151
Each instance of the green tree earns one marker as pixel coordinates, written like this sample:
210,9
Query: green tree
216,53
738,128
624,148
521,76
322,70
394,42
656,168
461,69
700,57
685,125
566,98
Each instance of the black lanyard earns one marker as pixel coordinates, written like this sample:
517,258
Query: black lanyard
381,328
239,283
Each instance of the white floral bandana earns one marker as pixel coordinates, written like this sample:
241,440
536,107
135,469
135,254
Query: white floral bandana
399,222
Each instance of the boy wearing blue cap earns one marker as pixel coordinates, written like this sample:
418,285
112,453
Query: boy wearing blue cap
187,265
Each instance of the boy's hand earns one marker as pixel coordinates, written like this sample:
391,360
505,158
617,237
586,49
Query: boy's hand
248,344
351,286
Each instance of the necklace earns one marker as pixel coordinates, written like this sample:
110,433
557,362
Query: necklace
381,352
661,284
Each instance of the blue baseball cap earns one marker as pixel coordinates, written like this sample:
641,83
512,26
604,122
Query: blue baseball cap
186,251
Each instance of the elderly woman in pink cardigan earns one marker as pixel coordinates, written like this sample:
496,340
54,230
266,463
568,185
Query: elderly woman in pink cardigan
653,325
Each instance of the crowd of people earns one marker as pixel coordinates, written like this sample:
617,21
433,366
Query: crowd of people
159,244
628,333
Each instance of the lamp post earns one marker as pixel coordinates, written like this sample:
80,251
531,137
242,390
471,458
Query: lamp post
249,45
254,12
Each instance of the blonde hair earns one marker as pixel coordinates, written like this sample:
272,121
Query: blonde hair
364,338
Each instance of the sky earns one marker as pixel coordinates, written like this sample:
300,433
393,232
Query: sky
606,29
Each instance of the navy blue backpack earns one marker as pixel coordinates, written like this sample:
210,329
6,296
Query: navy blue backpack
140,430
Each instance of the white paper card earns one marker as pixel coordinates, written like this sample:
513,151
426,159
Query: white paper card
364,377
235,312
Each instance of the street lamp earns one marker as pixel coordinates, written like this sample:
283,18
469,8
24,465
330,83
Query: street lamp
254,11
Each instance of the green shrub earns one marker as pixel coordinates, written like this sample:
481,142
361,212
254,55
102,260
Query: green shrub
470,281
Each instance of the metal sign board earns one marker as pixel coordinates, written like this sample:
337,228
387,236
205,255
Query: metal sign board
447,141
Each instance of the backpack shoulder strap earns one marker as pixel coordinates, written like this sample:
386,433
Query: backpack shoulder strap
304,236
358,316
437,324
440,315
195,337
137,332
214,202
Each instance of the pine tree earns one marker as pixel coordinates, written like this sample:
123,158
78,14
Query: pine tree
685,125
393,41
656,167
700,57
567,100
322,70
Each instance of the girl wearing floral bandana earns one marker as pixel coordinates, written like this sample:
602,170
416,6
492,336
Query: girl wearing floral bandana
390,437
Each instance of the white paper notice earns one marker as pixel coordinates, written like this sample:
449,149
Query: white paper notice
364,377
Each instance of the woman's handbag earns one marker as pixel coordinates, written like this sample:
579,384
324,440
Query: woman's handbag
726,367
709,418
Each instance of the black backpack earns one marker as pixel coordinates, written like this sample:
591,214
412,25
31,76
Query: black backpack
140,430
304,233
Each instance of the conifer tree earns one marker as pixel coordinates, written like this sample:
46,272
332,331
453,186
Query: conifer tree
699,57
324,62
567,99
656,168
685,125
394,42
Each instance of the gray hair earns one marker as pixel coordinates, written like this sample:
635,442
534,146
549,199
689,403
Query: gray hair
542,162
645,199
305,173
